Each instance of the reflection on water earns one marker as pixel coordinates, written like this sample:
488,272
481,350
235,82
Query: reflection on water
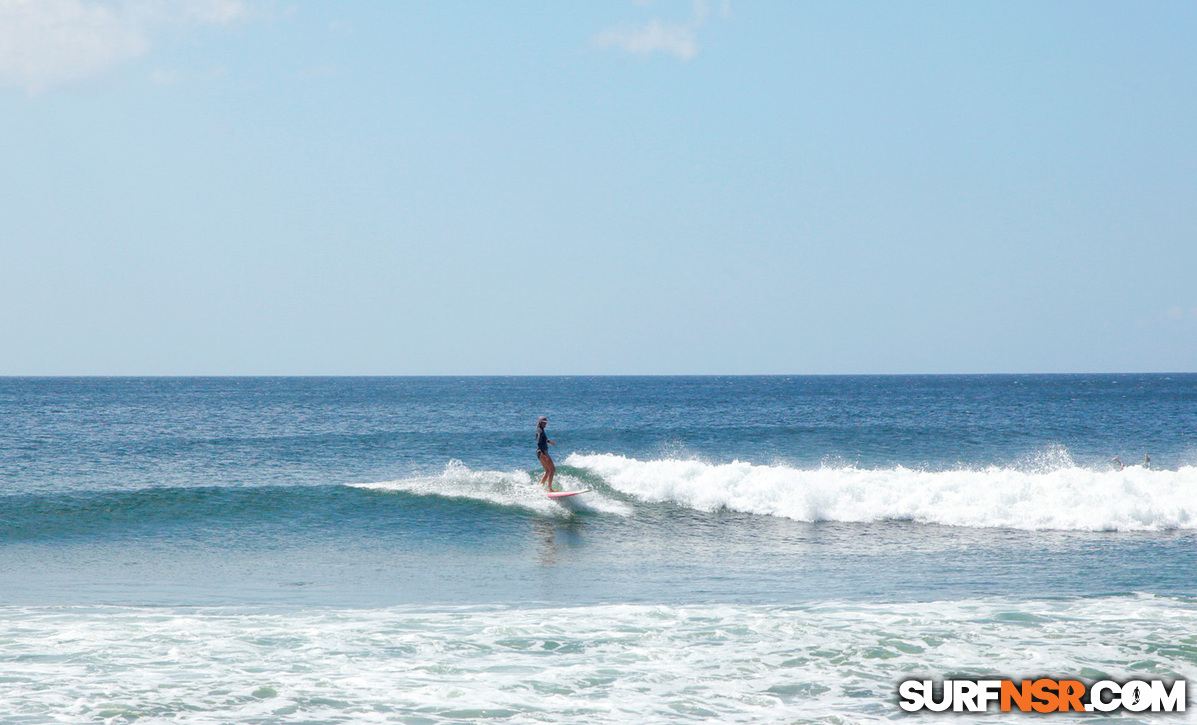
557,537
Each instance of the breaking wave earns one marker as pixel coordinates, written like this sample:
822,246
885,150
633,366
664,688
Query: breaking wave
1055,494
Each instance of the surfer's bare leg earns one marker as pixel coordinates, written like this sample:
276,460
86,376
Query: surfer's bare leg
549,470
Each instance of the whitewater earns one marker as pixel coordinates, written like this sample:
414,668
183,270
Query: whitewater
830,662
1067,497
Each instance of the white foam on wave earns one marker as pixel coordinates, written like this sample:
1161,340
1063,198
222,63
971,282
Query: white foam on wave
1063,496
503,488
609,664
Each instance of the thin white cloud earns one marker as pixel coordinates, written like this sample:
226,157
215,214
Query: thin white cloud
679,39
652,37
44,43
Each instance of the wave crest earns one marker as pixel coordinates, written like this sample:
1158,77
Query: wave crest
1062,496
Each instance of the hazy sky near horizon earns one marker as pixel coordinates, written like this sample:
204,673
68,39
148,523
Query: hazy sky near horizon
617,187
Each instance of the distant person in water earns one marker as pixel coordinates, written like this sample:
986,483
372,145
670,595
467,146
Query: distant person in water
542,452
1118,463
1147,461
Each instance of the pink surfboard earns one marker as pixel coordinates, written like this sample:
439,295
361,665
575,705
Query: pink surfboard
565,494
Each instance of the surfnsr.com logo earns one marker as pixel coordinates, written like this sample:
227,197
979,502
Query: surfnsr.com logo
1042,695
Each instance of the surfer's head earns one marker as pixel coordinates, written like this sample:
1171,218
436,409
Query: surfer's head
541,421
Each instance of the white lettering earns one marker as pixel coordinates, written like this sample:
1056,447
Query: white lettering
990,690
1170,701
911,692
1105,705
929,694
1135,696
964,693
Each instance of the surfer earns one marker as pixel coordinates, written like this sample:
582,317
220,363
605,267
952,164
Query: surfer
1118,463
542,452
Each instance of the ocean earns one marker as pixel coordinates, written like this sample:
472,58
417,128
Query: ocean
754,549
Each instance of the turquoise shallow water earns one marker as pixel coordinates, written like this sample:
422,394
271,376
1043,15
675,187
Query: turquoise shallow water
380,545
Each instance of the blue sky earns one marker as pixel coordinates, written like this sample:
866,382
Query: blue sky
617,187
